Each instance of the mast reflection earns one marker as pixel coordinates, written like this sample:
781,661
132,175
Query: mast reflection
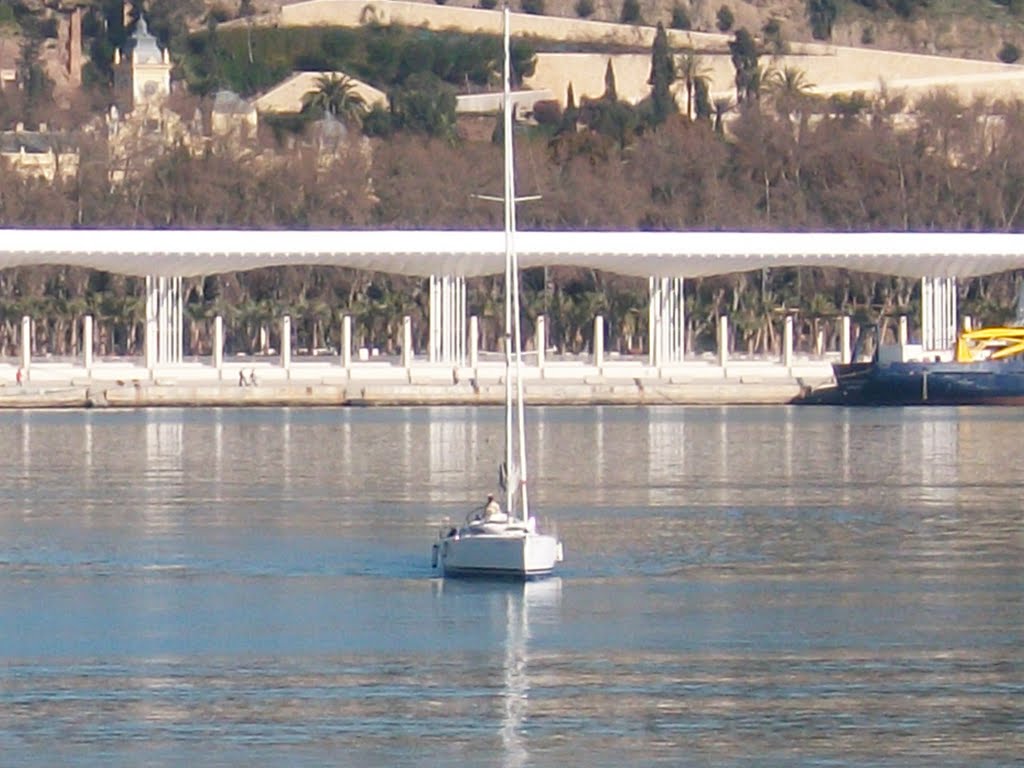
518,602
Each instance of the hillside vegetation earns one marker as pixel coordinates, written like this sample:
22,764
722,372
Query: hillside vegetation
952,173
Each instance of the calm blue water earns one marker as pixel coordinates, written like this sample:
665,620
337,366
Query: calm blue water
743,587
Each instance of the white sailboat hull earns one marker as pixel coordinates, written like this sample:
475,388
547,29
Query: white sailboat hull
512,554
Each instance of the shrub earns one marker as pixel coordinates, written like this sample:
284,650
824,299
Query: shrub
1009,53
724,19
377,122
312,62
822,14
867,36
630,12
47,28
424,104
772,31
219,14
547,112
536,7
488,5
584,8
680,18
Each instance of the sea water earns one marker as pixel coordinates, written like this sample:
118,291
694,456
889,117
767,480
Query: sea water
742,587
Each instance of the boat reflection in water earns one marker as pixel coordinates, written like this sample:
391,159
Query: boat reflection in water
514,603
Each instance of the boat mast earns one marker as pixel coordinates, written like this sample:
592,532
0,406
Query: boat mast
517,478
508,199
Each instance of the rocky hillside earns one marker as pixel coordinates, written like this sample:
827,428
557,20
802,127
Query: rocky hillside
967,28
973,28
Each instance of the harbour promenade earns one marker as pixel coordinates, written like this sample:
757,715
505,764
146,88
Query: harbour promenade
381,381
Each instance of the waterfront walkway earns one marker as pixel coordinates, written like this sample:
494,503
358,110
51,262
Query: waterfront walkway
126,383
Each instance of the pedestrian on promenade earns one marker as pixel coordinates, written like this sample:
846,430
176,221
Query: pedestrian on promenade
252,378
241,378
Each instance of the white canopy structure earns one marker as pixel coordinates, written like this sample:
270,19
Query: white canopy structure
191,253
164,257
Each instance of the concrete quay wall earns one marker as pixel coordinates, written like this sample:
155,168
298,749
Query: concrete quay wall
827,68
382,384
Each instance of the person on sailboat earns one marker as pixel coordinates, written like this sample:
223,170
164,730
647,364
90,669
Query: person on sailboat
492,508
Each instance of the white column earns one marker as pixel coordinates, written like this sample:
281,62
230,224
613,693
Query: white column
434,329
26,343
161,320
654,322
787,342
218,345
666,320
164,338
346,342
951,310
150,340
678,320
172,320
474,342
447,317
87,342
938,312
407,353
599,342
286,344
723,340
927,315
904,336
540,341
460,321
179,321
844,340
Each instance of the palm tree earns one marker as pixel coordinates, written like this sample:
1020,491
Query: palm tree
789,89
723,105
692,70
336,95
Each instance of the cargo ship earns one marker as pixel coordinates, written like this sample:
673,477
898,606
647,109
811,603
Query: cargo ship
986,368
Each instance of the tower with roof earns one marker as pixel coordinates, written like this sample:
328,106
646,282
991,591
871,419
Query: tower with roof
142,73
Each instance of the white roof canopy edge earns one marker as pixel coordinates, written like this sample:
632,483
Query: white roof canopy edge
192,253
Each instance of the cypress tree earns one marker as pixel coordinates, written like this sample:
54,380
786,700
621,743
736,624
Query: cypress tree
662,75
611,93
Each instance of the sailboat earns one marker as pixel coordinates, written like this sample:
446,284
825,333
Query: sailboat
504,543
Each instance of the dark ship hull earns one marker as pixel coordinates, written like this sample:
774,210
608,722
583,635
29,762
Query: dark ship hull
987,382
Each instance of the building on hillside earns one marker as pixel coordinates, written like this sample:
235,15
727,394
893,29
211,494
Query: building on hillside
331,137
8,63
40,154
140,126
142,73
70,38
233,117
287,96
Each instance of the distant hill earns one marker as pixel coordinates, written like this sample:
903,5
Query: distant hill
978,29
969,28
